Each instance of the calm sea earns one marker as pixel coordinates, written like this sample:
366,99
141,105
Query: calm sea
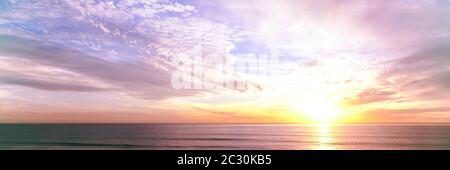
151,136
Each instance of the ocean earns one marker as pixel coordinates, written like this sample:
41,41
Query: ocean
224,137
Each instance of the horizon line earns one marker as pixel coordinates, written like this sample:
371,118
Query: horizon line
136,123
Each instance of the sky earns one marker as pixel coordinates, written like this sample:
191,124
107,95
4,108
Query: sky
122,61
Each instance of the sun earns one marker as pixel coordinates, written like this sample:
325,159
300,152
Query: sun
320,111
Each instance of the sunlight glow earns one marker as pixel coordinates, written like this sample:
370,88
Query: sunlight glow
320,111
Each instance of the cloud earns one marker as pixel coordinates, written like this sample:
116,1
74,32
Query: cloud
424,74
330,47
138,79
137,29
134,36
408,114
214,111
369,96
46,85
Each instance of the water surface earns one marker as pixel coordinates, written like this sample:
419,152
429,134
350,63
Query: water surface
185,136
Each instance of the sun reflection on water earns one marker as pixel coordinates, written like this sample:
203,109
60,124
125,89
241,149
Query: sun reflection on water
324,137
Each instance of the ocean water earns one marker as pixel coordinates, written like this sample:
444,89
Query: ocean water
219,137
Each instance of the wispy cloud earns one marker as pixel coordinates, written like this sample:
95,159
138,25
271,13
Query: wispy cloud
141,79
381,56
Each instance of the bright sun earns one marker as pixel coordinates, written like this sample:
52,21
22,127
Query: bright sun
320,111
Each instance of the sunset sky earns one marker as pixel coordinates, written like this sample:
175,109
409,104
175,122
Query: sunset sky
347,61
